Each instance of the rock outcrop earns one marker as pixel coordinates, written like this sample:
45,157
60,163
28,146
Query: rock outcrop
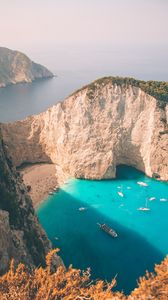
21,236
103,125
16,67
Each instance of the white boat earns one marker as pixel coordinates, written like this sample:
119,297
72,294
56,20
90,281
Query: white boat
142,183
51,193
152,198
82,208
144,208
128,187
163,200
120,194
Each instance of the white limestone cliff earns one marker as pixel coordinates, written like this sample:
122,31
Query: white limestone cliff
94,130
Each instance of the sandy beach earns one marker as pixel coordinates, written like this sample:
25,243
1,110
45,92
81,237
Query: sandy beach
42,178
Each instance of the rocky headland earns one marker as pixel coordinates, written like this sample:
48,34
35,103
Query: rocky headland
110,122
16,67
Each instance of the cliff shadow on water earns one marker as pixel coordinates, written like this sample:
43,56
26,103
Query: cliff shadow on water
125,172
84,245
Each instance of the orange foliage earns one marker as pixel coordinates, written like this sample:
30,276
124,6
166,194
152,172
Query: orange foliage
153,286
74,284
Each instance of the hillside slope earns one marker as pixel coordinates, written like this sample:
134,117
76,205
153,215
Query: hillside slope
16,67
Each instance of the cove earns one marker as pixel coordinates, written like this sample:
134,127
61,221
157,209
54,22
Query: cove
142,235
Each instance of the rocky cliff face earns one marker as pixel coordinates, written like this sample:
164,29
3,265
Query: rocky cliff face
94,130
16,67
21,236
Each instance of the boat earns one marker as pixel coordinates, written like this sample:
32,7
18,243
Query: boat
120,194
128,187
51,193
143,208
142,183
108,230
56,188
82,208
152,198
163,200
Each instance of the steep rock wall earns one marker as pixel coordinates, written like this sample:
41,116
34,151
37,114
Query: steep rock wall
21,236
93,131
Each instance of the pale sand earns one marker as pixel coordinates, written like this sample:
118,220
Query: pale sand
42,178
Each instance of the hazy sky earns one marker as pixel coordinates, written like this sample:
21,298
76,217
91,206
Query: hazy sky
81,40
34,23
124,37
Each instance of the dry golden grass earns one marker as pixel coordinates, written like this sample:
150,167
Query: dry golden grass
74,284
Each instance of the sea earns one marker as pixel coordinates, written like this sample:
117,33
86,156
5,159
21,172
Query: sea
142,235
75,66
71,217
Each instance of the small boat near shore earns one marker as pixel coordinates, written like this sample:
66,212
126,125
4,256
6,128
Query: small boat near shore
163,200
142,183
108,230
120,194
152,198
82,208
143,208
56,189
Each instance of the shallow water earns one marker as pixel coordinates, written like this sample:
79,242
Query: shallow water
143,236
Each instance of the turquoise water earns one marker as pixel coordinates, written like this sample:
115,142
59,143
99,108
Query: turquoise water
143,235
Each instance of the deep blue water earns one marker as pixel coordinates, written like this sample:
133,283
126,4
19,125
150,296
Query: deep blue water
143,236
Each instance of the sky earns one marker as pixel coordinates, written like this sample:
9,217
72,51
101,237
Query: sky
36,23
72,29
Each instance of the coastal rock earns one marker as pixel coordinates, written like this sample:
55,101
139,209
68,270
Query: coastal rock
21,236
103,125
16,67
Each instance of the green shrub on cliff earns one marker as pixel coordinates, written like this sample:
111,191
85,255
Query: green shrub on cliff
157,89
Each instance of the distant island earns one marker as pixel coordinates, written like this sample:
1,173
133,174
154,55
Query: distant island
16,67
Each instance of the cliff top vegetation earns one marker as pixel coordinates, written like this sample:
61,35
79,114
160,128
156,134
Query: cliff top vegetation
157,89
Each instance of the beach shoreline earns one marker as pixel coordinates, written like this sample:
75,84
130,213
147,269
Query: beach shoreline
41,179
